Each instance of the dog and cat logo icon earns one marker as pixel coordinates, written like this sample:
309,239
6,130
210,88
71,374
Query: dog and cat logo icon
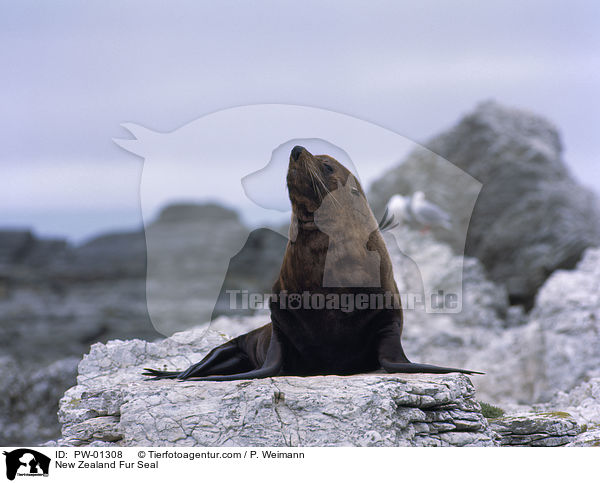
26,462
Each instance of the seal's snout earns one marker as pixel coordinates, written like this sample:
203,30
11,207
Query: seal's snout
296,152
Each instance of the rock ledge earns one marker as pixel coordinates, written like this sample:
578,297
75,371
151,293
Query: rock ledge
113,405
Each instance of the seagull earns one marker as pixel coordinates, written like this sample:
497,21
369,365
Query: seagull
428,214
398,206
418,211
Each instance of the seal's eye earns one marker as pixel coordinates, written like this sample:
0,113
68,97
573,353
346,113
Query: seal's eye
328,168
355,191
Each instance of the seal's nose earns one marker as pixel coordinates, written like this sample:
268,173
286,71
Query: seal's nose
296,152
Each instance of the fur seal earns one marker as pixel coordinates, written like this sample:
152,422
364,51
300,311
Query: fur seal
335,251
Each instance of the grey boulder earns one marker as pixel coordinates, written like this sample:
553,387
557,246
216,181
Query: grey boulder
531,217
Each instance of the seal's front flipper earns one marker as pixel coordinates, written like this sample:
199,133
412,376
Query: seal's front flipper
392,358
255,374
413,368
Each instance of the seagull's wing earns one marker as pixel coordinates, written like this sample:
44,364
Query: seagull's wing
428,213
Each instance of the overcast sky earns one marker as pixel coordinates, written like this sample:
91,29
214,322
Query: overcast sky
72,72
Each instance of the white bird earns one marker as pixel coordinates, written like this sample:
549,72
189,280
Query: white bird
417,211
428,214
398,207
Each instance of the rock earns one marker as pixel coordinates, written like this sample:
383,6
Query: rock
110,256
97,291
41,324
56,299
186,212
29,401
424,265
583,402
515,316
113,404
23,249
557,349
123,255
587,438
513,362
254,269
567,310
15,245
236,325
541,429
188,252
531,218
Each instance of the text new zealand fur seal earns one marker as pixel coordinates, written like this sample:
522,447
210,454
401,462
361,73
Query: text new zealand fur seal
335,252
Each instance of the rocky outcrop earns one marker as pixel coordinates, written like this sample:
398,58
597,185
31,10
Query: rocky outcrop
583,402
557,349
28,260
536,429
423,265
106,257
253,269
29,401
113,405
22,247
531,218
57,298
190,212
591,437
188,250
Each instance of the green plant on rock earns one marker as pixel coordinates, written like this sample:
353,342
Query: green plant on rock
489,411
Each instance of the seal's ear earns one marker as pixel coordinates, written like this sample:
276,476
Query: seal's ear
293,232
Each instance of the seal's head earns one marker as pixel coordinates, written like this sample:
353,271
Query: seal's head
312,178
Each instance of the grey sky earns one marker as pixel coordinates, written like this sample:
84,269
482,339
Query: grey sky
72,72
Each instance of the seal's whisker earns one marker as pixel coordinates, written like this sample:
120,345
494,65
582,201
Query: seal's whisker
314,185
313,174
327,190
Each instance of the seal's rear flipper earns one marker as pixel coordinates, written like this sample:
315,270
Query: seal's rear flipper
224,359
271,367
156,374
413,368
231,361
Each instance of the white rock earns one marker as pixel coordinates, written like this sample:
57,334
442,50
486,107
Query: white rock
557,349
114,405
